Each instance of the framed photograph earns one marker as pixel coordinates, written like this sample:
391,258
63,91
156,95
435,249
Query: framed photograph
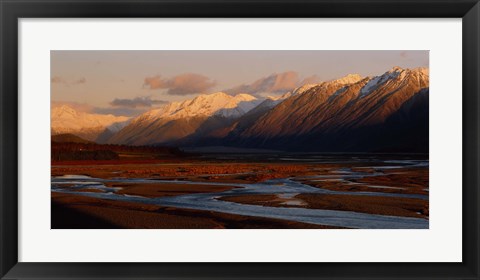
228,139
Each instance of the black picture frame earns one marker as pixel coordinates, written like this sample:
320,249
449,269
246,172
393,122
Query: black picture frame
11,11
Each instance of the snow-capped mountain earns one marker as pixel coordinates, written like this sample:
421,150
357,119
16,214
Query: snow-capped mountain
218,103
272,101
349,79
388,112
342,116
177,120
65,119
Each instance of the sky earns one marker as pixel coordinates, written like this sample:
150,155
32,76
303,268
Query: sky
131,82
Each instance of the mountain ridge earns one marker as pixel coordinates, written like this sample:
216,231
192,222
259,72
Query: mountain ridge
336,115
65,119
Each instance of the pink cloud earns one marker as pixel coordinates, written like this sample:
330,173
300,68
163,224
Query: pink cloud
274,83
183,84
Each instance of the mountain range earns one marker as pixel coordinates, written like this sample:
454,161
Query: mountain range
64,119
385,113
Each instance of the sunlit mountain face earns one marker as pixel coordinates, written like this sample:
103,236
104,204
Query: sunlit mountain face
385,113
66,119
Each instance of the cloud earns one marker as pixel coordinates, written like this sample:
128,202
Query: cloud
184,84
137,102
63,81
274,83
188,84
119,111
128,107
154,82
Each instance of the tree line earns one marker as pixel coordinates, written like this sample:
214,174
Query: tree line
91,151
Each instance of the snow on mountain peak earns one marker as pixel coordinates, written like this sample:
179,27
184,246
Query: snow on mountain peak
65,119
218,103
303,88
395,69
244,97
420,75
423,70
298,90
349,79
63,111
370,86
